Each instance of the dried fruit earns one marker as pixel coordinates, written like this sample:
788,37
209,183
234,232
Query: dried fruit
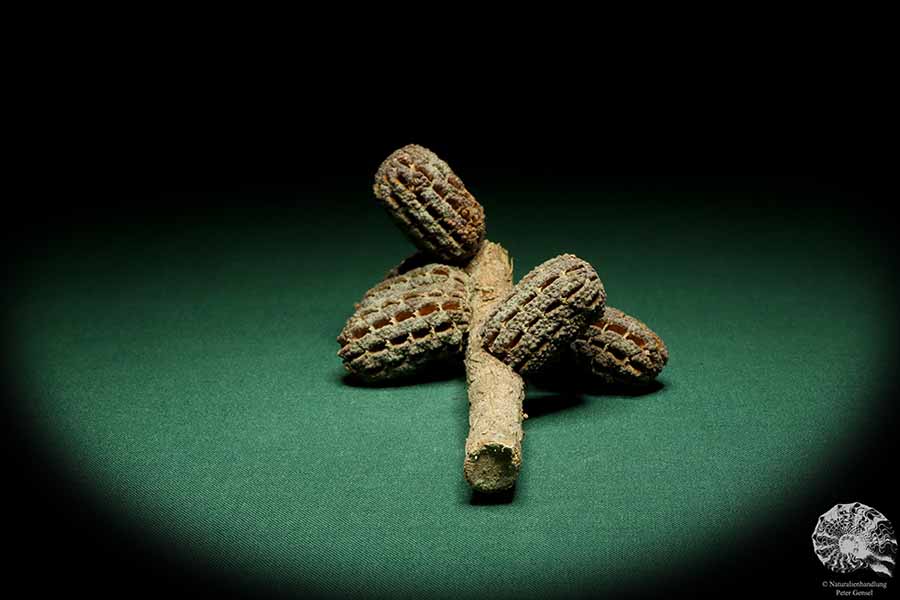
407,322
430,204
620,349
544,313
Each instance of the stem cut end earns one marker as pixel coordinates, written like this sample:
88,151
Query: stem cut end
493,468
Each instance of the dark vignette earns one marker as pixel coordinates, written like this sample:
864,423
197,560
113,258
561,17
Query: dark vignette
64,541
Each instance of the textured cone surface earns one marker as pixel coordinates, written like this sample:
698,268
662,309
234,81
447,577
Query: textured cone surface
430,204
544,313
620,349
406,323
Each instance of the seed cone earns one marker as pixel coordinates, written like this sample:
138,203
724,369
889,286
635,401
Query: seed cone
430,204
620,349
406,323
544,313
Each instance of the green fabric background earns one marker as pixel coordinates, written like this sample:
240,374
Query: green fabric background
185,376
